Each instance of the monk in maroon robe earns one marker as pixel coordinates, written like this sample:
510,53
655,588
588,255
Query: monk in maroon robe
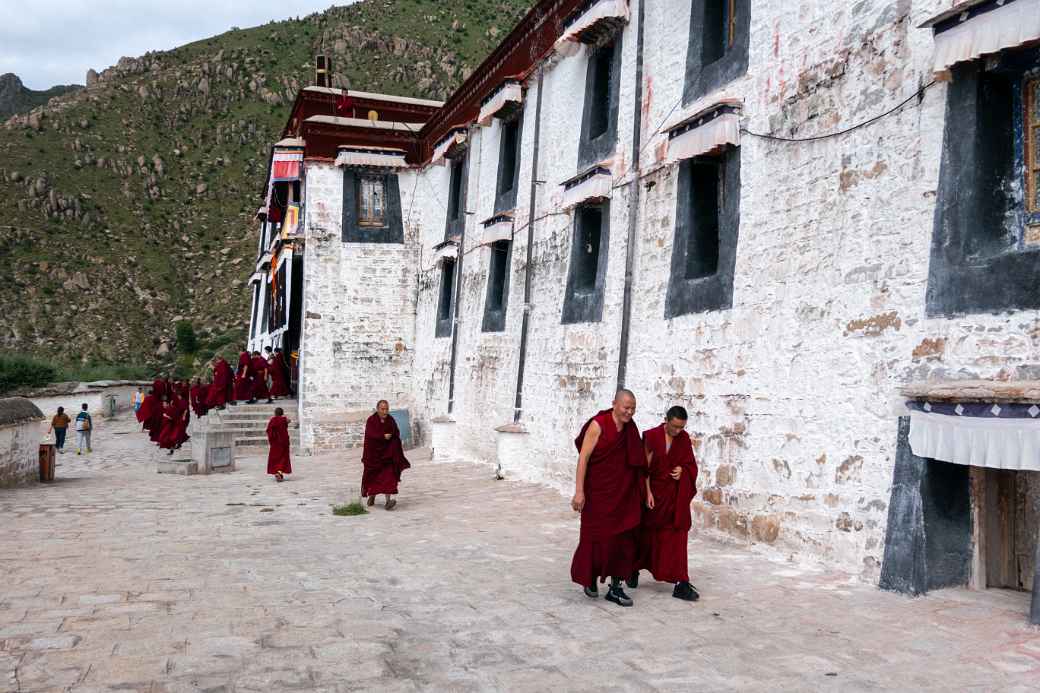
276,370
258,367
151,404
383,456
282,360
197,397
244,378
671,486
175,424
223,378
608,494
278,462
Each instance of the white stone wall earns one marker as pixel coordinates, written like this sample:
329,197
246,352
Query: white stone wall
19,453
792,392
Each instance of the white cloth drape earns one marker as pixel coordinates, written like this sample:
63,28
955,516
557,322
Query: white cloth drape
720,131
991,32
448,250
510,92
568,43
597,186
499,231
348,157
444,145
977,442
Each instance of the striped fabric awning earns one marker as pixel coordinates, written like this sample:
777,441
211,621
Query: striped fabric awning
455,138
497,228
704,133
976,28
509,93
285,164
604,11
594,184
378,157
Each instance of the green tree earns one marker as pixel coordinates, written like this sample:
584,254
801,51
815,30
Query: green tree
187,342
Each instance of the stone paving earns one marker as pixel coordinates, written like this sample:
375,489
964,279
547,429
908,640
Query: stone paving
117,578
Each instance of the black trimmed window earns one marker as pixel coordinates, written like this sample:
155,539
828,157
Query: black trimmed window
256,309
586,277
600,111
707,222
508,164
371,207
456,218
718,48
497,287
985,254
445,300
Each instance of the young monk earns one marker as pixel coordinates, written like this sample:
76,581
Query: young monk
279,385
278,462
146,412
217,397
197,397
175,423
259,367
607,493
670,488
382,456
244,378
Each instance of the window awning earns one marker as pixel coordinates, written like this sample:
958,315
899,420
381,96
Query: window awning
256,278
265,260
976,28
285,164
262,212
510,93
598,17
497,228
594,184
447,249
991,440
705,132
380,157
454,139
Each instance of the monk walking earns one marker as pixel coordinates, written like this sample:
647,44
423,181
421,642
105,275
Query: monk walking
217,397
670,488
244,379
278,462
259,368
383,456
276,369
607,493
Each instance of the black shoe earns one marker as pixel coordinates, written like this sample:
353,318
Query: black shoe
234,404
251,401
591,591
618,596
270,401
633,582
686,592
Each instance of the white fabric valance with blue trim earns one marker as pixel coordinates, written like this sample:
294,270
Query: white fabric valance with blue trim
977,28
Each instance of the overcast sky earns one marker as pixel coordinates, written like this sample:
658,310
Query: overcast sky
48,42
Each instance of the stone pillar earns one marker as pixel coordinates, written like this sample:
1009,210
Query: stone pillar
511,440
213,449
442,429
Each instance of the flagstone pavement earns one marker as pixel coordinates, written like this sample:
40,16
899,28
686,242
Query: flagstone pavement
118,578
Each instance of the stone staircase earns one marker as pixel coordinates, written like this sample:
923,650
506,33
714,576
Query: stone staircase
249,423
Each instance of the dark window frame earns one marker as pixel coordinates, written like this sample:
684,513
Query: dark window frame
371,217
705,292
458,190
704,72
354,230
445,316
505,197
583,300
593,148
499,271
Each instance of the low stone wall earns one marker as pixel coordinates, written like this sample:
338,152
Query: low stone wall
19,441
94,395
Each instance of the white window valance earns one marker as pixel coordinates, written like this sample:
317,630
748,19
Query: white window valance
371,156
261,213
265,260
594,184
455,138
978,442
704,133
446,250
256,278
499,228
608,11
508,93
973,29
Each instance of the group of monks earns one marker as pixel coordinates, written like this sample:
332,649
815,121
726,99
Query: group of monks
634,494
165,412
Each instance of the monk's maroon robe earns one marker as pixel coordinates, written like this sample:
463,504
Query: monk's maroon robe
175,424
218,389
244,377
384,459
613,501
278,439
197,397
152,401
279,385
666,527
258,368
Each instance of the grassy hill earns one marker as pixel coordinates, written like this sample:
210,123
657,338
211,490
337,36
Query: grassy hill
128,205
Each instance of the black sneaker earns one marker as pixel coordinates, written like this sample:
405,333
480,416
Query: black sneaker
591,591
618,596
686,592
633,582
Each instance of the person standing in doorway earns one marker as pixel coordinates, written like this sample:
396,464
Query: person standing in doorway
84,427
60,426
383,456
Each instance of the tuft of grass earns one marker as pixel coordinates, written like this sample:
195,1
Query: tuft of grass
350,509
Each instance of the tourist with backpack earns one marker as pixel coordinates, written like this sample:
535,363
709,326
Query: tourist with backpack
84,426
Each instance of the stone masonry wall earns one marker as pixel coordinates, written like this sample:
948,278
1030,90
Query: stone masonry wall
20,436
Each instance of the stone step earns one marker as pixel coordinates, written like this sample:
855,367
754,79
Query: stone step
261,441
262,407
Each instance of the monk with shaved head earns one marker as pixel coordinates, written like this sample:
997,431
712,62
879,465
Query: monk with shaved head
383,456
607,493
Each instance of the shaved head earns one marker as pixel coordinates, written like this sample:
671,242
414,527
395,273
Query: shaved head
624,406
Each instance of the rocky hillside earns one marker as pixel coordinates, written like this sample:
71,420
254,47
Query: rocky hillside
15,97
128,205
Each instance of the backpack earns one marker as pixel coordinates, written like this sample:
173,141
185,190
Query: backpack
83,421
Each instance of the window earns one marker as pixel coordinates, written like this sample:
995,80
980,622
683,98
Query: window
444,303
585,280
508,165
498,287
371,207
704,247
455,191
985,256
256,306
702,244
717,52
265,289
600,112
456,218
372,201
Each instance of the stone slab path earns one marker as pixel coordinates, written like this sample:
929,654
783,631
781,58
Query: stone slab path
118,578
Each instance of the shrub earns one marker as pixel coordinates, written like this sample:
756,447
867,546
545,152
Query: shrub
23,371
187,343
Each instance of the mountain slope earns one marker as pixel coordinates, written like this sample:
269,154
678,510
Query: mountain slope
15,97
128,205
